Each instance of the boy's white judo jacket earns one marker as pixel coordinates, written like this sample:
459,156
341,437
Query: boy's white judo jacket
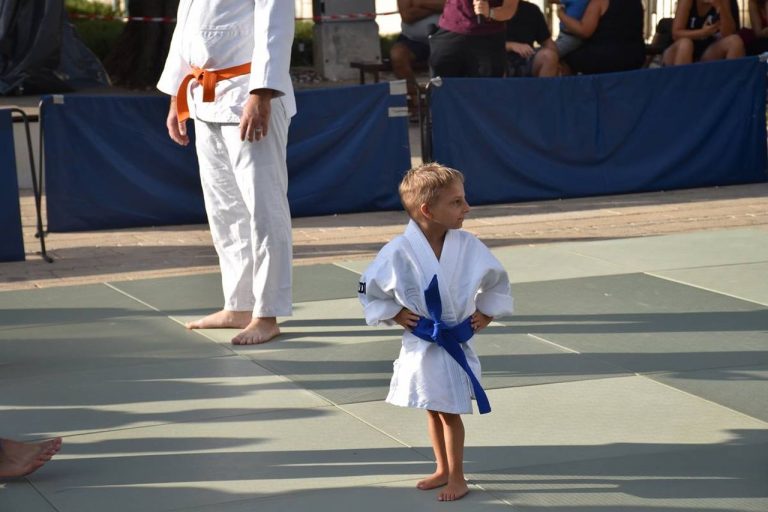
470,278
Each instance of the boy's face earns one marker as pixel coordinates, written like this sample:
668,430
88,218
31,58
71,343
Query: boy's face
450,207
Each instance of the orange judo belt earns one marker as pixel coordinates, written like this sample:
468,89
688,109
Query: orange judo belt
207,78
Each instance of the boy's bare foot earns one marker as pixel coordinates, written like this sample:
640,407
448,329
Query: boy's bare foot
433,481
20,459
259,330
453,491
223,319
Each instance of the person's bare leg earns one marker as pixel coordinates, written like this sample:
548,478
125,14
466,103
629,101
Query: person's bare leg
453,431
679,53
19,459
440,477
223,319
258,330
402,59
545,63
730,47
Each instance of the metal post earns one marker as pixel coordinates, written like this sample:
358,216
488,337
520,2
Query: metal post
425,121
37,191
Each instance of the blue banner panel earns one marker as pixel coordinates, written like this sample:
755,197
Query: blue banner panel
110,164
648,130
11,239
345,152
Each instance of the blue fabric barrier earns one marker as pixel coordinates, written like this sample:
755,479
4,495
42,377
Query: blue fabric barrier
11,239
647,130
110,164
345,153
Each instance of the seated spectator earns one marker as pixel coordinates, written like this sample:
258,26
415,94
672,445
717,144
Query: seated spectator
756,38
704,30
419,21
470,39
567,42
528,26
612,31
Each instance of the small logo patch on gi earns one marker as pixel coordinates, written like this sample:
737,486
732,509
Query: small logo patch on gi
361,287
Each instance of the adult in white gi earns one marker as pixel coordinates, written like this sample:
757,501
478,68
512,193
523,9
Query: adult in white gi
241,127
442,285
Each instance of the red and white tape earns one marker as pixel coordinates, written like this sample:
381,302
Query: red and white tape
107,17
167,19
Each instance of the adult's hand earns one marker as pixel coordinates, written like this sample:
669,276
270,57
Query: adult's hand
254,123
710,29
522,49
482,7
176,130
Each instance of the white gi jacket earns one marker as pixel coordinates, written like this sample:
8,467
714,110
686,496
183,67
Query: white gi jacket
217,34
470,278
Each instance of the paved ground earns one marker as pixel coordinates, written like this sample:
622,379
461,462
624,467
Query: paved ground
150,252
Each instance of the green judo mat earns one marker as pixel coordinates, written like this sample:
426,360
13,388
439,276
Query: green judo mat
635,378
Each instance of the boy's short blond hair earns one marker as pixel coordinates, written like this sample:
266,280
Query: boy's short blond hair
422,185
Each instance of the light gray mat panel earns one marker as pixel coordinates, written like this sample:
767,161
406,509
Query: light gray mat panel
551,262
573,421
643,323
313,324
202,293
402,496
323,282
746,281
511,359
340,372
193,464
357,367
727,477
136,396
686,250
59,330
20,496
743,389
65,305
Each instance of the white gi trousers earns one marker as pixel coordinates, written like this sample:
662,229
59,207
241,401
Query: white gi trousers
245,186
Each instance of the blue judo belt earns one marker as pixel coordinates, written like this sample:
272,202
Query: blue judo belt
450,338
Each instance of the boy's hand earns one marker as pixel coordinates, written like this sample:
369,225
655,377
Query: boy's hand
407,318
480,321
176,130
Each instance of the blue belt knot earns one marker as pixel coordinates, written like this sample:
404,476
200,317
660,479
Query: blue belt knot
435,331
449,338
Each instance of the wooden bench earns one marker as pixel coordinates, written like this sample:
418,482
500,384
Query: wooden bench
385,66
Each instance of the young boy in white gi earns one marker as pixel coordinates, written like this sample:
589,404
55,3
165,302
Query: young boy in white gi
442,285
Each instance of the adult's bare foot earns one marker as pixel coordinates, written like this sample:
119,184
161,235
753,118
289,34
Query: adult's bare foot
433,481
453,491
259,330
20,459
223,319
